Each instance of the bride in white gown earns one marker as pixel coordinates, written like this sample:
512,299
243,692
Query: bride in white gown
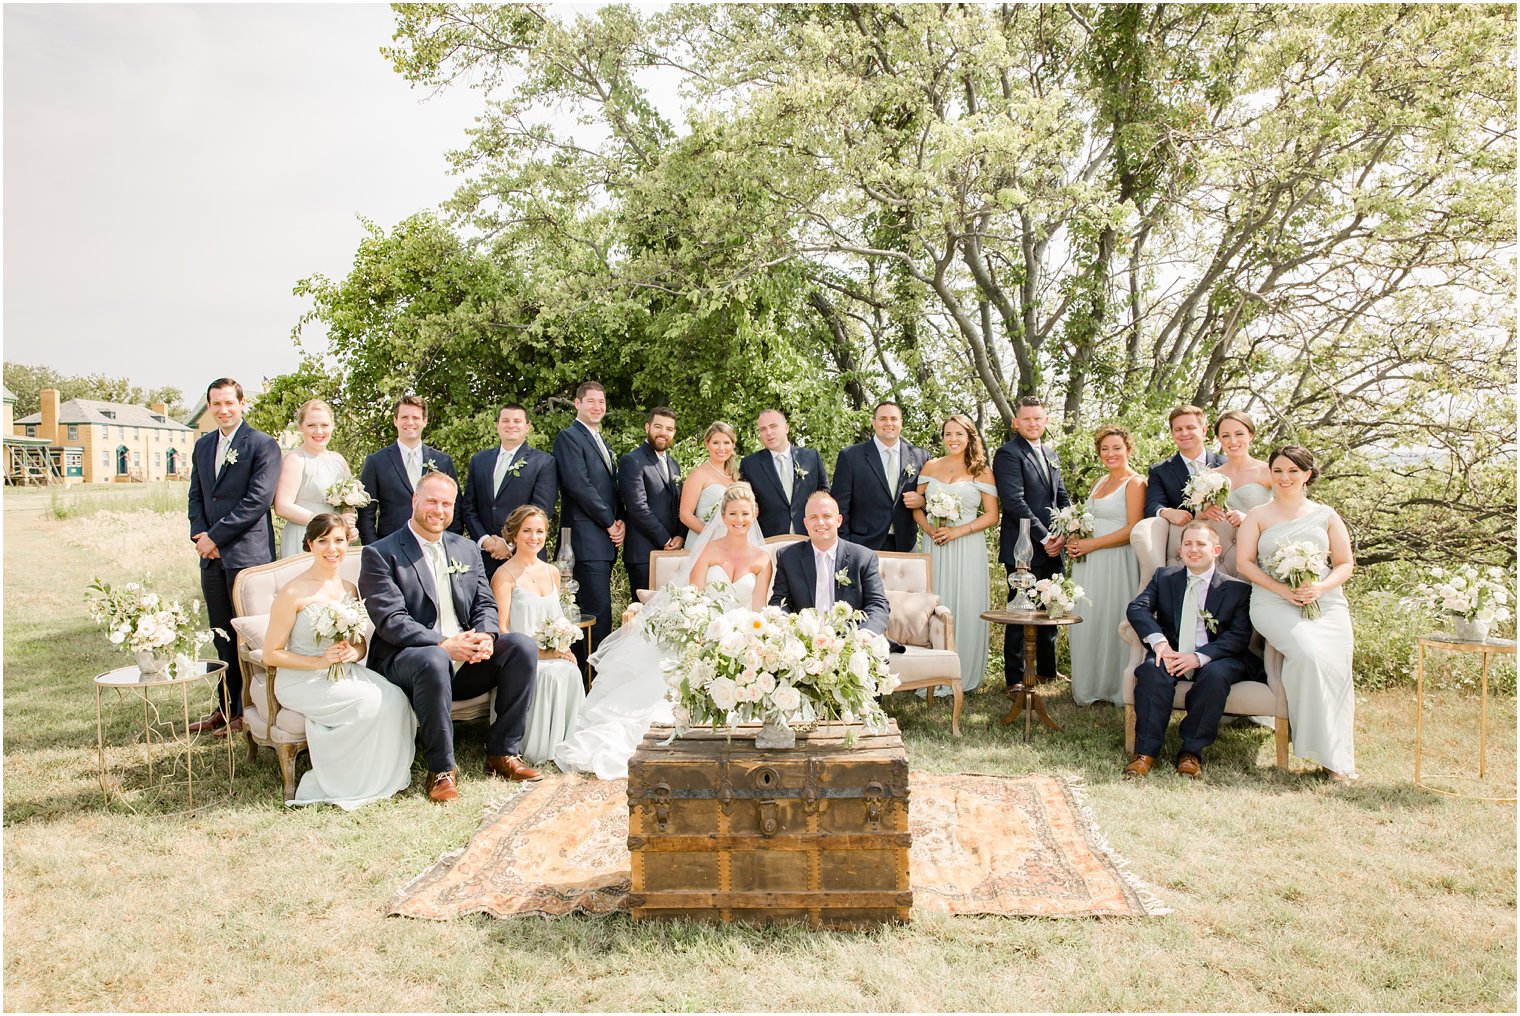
728,560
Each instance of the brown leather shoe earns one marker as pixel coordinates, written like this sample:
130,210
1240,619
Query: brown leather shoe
212,721
511,767
232,726
1189,765
1139,766
440,787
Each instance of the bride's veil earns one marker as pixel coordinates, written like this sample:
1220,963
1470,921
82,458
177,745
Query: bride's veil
714,528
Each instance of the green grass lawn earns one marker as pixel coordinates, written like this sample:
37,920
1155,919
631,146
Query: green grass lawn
1289,893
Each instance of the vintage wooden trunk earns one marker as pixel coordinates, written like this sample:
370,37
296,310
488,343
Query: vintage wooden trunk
722,831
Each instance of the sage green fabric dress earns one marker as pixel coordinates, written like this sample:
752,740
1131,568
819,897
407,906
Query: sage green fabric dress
960,578
318,472
559,692
1110,579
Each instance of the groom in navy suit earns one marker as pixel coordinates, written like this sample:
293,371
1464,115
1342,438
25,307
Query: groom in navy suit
437,636
591,509
391,474
826,569
649,480
1164,485
236,469
1029,485
782,476
1196,622
502,479
876,485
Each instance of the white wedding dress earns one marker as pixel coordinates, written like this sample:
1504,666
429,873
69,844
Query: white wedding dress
629,692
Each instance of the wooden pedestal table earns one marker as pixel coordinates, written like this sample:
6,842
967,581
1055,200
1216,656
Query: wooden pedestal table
155,727
1489,649
1024,694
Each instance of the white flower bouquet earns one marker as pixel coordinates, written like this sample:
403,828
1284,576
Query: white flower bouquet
1058,596
1472,594
1073,520
1298,562
347,493
557,635
145,622
1206,489
942,507
747,666
342,620
682,617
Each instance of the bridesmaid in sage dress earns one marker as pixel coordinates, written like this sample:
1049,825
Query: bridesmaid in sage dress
1104,565
360,730
306,473
958,547
527,593
1250,479
1316,651
703,487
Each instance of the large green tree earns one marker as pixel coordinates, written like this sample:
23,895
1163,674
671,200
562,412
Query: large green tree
28,380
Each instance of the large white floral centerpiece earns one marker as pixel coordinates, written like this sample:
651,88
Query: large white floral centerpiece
1473,597
159,632
736,665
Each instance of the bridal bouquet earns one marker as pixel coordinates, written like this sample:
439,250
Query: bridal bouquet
942,507
681,618
747,665
1058,595
340,621
557,635
1298,562
347,493
1205,489
1471,594
1073,520
147,623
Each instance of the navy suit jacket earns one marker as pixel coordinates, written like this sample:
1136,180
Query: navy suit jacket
779,514
233,508
869,502
390,490
651,506
797,579
588,494
1158,608
1026,494
1166,480
397,586
485,510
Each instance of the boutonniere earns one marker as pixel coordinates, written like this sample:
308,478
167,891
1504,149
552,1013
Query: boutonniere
801,473
231,457
516,468
430,465
1210,622
842,577
457,567
909,469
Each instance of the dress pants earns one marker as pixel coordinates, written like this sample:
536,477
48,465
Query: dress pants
1155,689
1043,566
595,601
427,676
216,590
638,576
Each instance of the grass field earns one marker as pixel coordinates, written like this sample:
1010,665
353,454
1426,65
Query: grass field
1289,893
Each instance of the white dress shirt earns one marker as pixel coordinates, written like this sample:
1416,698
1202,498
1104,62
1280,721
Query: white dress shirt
411,458
224,442
1201,636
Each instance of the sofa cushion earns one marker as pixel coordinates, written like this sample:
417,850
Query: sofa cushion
252,629
908,621
917,664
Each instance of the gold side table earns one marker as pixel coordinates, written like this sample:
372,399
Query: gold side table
1024,694
131,681
1489,649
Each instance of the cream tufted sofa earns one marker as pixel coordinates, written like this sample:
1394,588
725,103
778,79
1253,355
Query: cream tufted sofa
1156,543
251,598
917,619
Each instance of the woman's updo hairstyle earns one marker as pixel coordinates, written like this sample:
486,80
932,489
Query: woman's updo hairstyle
320,525
1300,456
519,517
737,492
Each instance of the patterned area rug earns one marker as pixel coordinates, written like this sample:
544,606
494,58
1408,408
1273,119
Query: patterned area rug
1023,846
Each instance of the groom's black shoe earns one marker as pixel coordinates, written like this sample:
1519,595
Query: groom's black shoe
511,767
896,647
214,721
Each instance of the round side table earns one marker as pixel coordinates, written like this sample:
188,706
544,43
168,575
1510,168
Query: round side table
1023,694
131,681
1489,649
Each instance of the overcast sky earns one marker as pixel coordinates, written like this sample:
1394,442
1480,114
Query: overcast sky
171,171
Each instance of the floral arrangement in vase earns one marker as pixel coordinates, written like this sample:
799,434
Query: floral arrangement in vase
1473,597
1058,596
160,633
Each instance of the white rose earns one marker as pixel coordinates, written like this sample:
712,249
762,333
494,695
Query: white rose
786,698
724,693
766,683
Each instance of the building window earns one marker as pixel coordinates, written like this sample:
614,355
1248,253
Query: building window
31,430
73,432
121,433
137,458
105,459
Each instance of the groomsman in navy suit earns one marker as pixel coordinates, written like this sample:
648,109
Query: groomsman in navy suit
826,570
783,476
235,471
391,474
591,509
649,480
502,479
876,485
437,636
1164,486
1028,479
1196,621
